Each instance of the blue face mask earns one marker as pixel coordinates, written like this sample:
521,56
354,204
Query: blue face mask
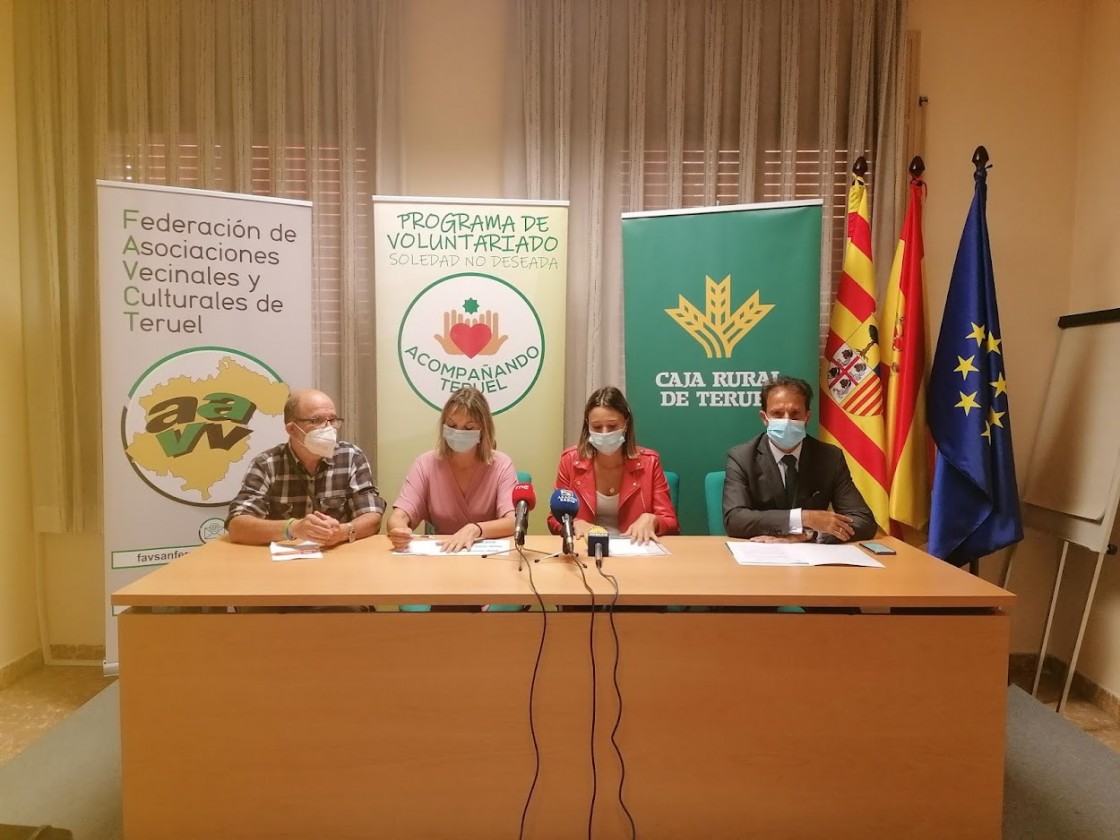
462,440
785,433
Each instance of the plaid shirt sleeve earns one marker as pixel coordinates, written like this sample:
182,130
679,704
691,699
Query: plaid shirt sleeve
252,498
364,496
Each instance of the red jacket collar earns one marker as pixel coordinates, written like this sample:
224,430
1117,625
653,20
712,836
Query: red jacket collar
630,465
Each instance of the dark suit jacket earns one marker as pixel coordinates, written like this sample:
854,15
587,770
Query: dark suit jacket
754,497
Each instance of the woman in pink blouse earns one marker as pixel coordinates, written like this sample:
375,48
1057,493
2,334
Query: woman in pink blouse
464,487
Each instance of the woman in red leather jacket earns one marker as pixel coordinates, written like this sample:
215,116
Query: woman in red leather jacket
620,485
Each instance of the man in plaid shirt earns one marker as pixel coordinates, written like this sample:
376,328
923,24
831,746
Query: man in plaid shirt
314,487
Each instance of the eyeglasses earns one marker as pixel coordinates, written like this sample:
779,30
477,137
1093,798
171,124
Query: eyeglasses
320,421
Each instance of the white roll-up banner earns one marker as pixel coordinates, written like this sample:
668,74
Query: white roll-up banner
205,319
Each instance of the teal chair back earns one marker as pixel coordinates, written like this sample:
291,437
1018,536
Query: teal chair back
674,488
713,501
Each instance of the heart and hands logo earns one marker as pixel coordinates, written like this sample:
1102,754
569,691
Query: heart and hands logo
471,329
471,336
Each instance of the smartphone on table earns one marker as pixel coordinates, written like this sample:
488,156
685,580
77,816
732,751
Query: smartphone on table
877,547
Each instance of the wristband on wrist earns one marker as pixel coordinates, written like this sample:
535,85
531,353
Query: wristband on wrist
288,529
480,532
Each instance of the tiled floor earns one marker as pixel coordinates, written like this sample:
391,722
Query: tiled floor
37,702
34,704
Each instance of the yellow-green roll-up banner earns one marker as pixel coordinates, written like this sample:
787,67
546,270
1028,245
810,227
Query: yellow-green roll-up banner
470,292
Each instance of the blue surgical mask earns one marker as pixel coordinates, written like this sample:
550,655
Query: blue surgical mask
607,442
462,440
785,433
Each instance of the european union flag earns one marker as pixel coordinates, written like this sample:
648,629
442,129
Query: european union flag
975,508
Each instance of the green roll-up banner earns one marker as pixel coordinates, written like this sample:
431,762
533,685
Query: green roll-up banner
717,301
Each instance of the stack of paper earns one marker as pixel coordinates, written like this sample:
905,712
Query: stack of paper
431,548
623,547
799,554
296,551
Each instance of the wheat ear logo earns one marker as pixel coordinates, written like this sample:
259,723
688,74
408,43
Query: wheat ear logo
717,329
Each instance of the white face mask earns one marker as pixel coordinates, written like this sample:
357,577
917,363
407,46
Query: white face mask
322,442
607,442
462,440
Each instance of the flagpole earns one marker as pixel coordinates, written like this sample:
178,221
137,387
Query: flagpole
980,160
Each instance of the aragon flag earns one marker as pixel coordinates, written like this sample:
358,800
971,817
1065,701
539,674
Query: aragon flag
851,388
904,371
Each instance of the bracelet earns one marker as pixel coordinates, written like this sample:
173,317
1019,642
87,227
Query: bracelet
288,529
480,531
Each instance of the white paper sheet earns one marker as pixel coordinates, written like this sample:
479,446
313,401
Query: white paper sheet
296,551
800,554
623,547
434,548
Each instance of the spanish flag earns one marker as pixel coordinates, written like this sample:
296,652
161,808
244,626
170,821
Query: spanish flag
904,372
851,388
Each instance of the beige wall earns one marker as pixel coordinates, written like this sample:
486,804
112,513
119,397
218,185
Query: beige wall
1095,272
19,634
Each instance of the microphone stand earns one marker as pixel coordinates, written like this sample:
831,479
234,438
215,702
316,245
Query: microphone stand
521,558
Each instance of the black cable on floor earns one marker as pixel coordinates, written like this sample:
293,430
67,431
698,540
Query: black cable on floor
618,693
532,694
594,699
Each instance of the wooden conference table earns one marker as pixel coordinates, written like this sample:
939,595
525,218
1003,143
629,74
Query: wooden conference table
736,723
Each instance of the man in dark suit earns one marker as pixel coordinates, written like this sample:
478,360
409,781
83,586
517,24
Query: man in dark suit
780,485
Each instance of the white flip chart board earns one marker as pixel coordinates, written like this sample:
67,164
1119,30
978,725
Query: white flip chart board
1073,482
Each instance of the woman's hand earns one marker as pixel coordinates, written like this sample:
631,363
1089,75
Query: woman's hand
400,538
580,527
463,538
643,529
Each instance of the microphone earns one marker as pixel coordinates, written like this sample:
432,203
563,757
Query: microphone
599,543
564,506
524,500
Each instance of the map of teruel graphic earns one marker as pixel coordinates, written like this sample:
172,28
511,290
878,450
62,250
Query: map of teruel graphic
204,436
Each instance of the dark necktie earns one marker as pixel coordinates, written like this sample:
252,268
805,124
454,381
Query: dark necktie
791,479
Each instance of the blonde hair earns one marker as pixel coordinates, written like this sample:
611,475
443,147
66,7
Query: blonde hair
474,404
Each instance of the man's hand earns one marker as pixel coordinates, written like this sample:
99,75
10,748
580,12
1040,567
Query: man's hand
826,522
643,529
318,528
789,538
